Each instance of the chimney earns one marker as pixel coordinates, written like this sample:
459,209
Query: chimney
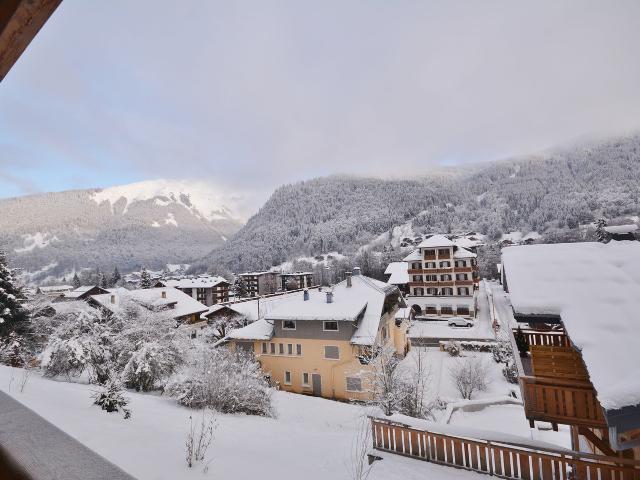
329,296
305,295
356,270
163,294
348,279
113,299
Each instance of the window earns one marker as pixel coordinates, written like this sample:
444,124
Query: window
289,348
416,266
432,291
446,310
430,265
461,276
443,252
305,378
287,378
417,278
463,291
445,264
429,253
431,278
330,326
289,325
331,352
273,349
447,291
298,349
264,347
461,263
445,278
281,348
201,293
462,311
418,292
354,384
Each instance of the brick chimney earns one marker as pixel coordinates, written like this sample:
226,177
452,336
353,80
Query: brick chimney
348,274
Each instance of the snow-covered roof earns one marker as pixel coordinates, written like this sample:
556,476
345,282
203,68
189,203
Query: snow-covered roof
253,274
595,289
620,229
258,330
295,274
56,288
399,273
217,306
463,253
200,282
345,306
436,241
181,303
72,306
413,256
78,292
464,242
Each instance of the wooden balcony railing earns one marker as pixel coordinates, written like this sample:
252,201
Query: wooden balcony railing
558,362
551,338
556,400
502,459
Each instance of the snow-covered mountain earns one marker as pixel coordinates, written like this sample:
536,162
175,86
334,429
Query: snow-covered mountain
149,223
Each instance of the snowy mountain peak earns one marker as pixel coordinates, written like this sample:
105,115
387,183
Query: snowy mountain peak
203,199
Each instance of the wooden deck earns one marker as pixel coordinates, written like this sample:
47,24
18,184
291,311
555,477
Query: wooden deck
499,458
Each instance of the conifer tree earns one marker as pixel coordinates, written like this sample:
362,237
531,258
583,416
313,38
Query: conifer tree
115,278
240,288
145,279
13,318
76,281
104,283
601,234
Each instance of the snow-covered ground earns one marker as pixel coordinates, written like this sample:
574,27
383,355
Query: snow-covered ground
312,437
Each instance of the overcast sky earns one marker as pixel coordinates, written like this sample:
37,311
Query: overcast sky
255,94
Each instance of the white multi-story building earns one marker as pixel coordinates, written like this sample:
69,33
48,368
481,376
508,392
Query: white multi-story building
443,279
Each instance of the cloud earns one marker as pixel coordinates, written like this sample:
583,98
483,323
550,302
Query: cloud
256,94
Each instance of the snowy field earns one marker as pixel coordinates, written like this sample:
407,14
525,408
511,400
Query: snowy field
311,437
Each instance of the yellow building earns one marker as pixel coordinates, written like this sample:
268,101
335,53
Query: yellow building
317,342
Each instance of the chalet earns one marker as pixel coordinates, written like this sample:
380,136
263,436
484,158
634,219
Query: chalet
183,308
261,283
315,342
296,280
580,373
205,289
81,293
443,279
54,290
216,312
622,232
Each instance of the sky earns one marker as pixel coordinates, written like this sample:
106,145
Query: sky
249,95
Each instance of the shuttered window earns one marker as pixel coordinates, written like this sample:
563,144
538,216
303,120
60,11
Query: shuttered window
331,352
354,384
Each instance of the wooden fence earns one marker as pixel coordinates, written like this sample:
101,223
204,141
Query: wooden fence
499,458
550,339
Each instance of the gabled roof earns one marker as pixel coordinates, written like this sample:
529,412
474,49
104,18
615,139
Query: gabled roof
200,282
399,273
344,307
463,253
595,289
83,290
217,307
413,256
181,304
436,241
258,330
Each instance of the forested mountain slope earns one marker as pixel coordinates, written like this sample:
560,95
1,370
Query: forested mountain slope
549,192
149,223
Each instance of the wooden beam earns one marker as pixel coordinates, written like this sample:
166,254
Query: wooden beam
20,21
597,441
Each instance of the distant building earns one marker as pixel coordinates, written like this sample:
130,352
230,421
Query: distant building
54,290
296,280
443,279
81,293
261,283
319,342
205,289
183,308
622,232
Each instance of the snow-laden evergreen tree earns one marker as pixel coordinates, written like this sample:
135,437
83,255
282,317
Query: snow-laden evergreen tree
13,317
76,281
115,278
601,234
240,288
104,283
145,279
111,398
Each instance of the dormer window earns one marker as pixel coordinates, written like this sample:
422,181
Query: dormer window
289,325
330,326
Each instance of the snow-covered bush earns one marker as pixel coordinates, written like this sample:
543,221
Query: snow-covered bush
413,402
453,348
111,398
510,372
82,343
15,350
470,375
389,386
502,352
226,381
149,365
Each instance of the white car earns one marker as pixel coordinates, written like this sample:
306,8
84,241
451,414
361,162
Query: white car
460,322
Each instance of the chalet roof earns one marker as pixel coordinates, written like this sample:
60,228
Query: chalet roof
217,307
56,288
413,256
344,307
258,330
151,298
399,274
595,289
80,291
620,229
463,253
295,274
436,241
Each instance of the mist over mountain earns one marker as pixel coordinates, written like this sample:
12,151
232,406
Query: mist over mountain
552,193
144,224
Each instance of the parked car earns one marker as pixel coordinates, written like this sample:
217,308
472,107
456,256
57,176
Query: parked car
460,322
